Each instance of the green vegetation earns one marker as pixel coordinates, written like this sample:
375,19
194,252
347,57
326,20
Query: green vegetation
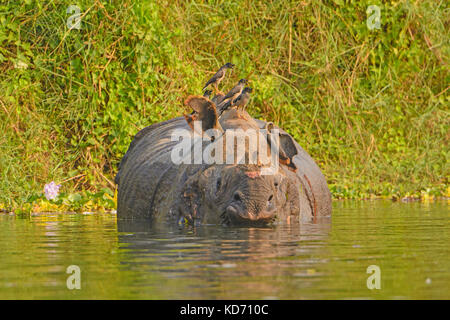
371,106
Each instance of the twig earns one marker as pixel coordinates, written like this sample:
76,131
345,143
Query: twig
78,176
70,29
107,180
290,45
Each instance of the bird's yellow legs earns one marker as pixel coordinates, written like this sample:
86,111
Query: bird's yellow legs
217,91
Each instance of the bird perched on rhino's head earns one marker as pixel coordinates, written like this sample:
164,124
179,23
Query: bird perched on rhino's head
232,94
218,77
240,102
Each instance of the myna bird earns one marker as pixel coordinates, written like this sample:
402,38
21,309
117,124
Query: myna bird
233,93
236,91
242,100
218,77
227,101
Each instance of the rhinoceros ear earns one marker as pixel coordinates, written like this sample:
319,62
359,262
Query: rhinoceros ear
288,145
287,148
204,111
287,151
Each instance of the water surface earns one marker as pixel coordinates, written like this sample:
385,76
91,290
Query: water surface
409,242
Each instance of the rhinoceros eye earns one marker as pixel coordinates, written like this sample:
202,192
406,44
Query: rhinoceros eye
218,184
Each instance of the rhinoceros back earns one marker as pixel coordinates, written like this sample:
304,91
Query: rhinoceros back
146,169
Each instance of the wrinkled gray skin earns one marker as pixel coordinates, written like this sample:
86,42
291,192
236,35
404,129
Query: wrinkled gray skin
151,186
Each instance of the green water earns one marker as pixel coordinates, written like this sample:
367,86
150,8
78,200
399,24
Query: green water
410,242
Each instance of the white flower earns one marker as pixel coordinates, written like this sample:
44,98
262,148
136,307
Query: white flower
51,190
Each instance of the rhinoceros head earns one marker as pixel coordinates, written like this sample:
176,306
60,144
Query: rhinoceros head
239,194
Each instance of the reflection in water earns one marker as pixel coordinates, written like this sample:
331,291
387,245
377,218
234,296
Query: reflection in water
247,258
321,260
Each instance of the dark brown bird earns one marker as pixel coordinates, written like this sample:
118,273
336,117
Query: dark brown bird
227,101
232,94
218,77
242,100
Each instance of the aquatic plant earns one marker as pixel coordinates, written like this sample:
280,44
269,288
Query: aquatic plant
51,190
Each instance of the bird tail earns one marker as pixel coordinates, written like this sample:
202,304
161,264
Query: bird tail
206,85
224,106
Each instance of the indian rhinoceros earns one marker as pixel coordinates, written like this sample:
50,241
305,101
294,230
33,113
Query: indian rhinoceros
151,185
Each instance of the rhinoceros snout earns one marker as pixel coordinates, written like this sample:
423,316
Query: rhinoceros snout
236,213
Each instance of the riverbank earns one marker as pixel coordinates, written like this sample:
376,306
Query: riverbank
369,105
106,201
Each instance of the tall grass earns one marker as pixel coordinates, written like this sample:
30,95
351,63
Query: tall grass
371,106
